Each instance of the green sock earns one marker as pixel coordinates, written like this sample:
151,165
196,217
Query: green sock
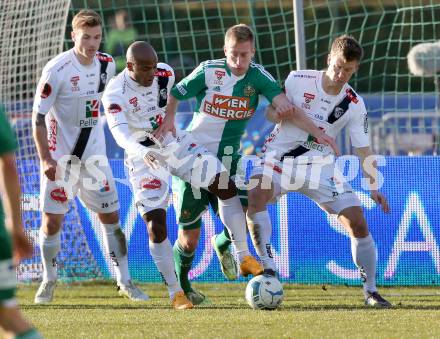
183,262
30,334
223,240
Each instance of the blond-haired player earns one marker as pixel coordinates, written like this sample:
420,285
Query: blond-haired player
227,92
68,133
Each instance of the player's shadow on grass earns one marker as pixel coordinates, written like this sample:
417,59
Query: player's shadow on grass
314,308
144,306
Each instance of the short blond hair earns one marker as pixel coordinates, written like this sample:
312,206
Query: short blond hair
239,33
86,18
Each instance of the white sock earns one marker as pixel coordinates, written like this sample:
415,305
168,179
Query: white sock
233,217
364,255
116,246
262,230
49,247
162,254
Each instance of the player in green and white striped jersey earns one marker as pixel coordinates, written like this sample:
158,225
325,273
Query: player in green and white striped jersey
227,92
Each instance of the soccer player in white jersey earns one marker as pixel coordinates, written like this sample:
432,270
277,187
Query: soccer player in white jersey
134,104
227,92
67,131
290,153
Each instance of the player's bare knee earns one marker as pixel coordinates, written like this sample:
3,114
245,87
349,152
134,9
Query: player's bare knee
353,219
188,240
257,200
109,218
156,225
51,223
359,228
223,188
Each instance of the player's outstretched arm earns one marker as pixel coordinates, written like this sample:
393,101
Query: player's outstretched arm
168,123
370,171
39,131
11,188
284,110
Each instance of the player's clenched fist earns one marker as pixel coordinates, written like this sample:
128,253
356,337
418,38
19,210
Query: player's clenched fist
49,168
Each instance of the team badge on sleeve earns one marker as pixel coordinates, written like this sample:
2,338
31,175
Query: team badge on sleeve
114,109
46,90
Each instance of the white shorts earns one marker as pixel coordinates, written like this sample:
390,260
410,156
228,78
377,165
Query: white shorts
323,183
150,186
181,157
94,185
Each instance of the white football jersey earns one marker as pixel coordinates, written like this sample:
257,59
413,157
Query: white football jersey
69,95
141,108
329,112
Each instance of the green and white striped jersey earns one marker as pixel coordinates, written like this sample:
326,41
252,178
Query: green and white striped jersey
225,102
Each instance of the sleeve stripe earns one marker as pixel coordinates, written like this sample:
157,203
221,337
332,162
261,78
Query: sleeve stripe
263,71
122,123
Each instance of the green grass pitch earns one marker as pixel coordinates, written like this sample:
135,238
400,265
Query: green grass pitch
94,310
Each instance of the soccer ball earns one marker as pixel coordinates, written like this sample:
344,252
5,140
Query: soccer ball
264,292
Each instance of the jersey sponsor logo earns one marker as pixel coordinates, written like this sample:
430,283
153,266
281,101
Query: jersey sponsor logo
74,81
312,142
45,90
63,66
220,74
191,146
156,121
270,138
105,187
150,183
229,107
163,73
308,97
114,109
59,195
134,102
181,89
216,89
304,76
92,108
91,114
52,135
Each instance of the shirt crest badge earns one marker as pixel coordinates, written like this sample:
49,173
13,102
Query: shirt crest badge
249,91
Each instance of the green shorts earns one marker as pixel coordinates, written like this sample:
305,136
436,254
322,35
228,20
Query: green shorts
8,278
191,203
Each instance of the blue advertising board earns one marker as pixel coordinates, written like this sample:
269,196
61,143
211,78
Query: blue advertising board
309,246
